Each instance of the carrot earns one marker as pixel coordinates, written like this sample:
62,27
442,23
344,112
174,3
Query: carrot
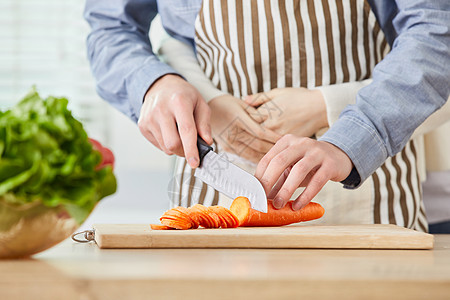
240,214
248,217
159,227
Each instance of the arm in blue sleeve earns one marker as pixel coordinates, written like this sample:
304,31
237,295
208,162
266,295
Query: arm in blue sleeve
120,52
410,84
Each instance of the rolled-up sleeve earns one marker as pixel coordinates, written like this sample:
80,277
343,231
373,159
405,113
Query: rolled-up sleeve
120,51
409,85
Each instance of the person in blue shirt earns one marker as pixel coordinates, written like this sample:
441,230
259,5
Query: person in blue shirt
410,84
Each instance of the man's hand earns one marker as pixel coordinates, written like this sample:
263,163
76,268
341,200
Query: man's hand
172,115
296,161
236,131
296,111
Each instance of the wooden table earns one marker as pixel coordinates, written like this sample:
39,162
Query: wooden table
84,272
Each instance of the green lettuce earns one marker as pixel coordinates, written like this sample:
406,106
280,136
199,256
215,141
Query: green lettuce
46,157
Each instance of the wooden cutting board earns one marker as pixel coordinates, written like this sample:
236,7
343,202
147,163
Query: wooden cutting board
323,237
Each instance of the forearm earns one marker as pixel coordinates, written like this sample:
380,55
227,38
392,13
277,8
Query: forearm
181,57
120,52
408,85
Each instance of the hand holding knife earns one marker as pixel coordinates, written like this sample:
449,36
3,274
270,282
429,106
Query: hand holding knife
228,178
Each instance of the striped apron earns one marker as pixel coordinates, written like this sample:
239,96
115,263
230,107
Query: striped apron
249,46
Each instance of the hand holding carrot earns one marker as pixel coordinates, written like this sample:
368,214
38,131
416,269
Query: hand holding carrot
293,162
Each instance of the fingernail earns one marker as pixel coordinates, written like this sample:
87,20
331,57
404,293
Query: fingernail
193,162
277,202
296,206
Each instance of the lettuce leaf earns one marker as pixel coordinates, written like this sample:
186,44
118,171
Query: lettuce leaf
46,157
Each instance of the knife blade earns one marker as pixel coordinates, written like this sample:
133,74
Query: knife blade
227,178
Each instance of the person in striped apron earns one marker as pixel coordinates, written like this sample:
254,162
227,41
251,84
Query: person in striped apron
272,52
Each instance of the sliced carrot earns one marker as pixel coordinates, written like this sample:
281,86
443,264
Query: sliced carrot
218,210
198,210
247,216
159,227
176,224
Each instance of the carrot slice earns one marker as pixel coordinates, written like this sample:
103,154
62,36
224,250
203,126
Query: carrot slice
218,210
159,227
247,216
176,224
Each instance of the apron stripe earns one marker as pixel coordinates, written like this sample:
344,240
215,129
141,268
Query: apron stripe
287,45
355,56
216,198
233,37
280,43
423,224
220,52
256,48
191,188
376,31
323,45
201,199
372,24
349,37
342,30
215,12
396,196
310,57
266,58
181,182
204,34
409,175
302,45
315,44
367,47
335,26
272,50
418,186
403,200
249,11
377,199
390,194
201,54
241,47
203,44
330,43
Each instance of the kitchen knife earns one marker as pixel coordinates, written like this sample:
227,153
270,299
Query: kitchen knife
227,178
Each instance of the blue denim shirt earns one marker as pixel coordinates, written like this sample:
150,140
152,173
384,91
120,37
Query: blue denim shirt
411,83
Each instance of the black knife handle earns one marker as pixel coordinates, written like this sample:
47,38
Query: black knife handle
203,148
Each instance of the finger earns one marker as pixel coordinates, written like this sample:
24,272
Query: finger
257,115
279,184
280,146
158,136
298,173
316,183
256,100
149,136
202,115
278,164
171,137
188,134
262,133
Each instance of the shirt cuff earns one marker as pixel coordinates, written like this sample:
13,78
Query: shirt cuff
141,80
361,143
